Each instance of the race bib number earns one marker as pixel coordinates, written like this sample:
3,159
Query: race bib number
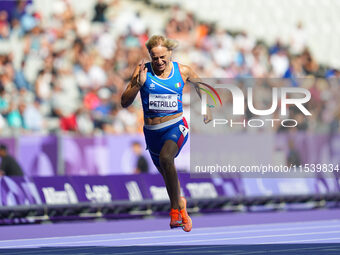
163,102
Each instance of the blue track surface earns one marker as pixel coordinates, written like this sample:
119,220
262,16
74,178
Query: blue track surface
302,237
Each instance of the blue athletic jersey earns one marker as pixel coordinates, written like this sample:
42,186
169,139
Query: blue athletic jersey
162,97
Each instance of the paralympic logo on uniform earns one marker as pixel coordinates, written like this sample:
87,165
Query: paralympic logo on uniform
283,95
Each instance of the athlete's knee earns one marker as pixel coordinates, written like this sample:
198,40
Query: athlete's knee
166,160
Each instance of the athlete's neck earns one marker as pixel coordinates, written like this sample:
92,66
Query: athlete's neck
165,73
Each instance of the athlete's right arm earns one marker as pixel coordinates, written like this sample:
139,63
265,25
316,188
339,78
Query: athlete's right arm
137,81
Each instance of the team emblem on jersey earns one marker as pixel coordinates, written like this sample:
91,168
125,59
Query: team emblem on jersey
184,130
178,85
152,86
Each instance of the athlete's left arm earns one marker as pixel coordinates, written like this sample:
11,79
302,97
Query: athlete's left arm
191,77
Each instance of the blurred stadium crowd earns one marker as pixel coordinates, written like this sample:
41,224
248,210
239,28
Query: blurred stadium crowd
71,69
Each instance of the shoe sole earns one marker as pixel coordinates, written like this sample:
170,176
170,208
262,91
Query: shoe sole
179,226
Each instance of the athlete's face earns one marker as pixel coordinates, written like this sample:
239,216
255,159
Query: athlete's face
160,58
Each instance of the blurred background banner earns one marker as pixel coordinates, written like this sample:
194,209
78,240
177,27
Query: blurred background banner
38,155
99,189
74,155
109,155
311,148
19,191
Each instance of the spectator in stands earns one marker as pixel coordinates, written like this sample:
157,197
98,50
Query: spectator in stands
28,21
310,66
32,117
20,79
4,25
298,39
104,108
18,11
9,166
295,70
279,62
4,104
14,117
84,54
100,9
43,88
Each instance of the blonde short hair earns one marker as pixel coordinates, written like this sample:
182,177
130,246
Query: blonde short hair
160,40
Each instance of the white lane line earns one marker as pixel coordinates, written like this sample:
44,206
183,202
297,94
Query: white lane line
231,252
168,231
306,240
187,235
282,250
48,249
182,249
114,251
203,241
182,234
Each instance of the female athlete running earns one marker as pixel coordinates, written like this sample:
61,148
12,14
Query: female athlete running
160,83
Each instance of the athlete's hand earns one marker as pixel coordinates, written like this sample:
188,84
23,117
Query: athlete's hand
207,117
142,74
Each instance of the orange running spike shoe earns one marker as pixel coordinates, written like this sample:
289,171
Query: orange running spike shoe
186,220
175,218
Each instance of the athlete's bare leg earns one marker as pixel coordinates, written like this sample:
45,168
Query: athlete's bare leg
168,170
